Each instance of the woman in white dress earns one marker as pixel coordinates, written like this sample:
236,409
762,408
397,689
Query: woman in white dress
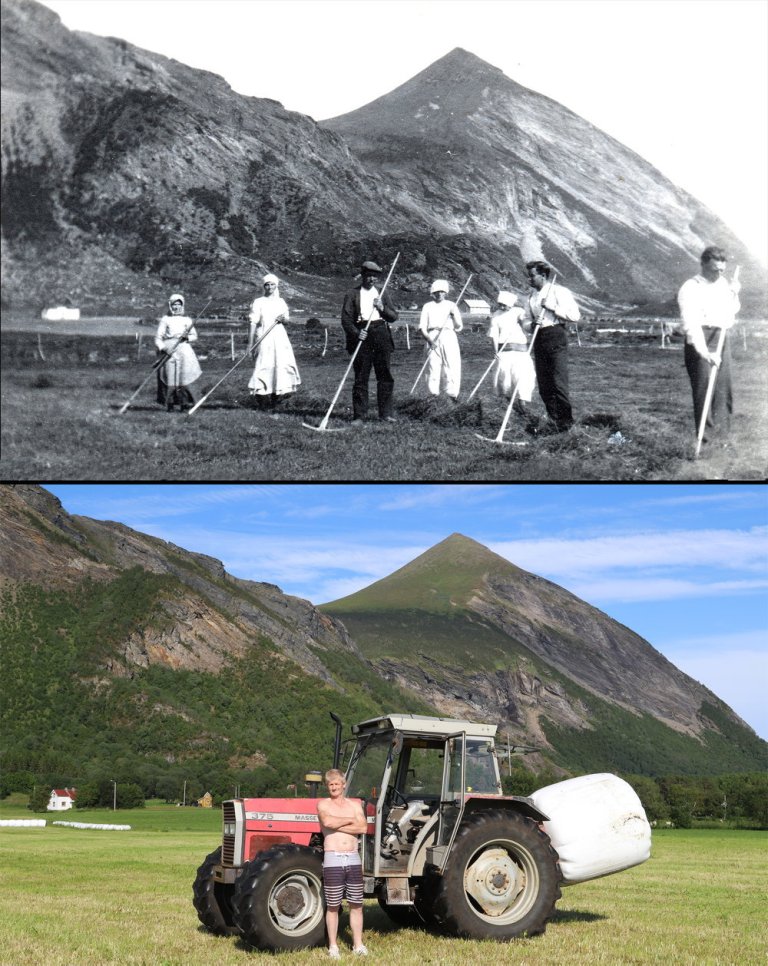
515,366
275,373
174,377
439,323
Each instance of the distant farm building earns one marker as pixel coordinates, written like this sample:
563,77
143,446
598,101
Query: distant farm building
477,306
206,801
61,799
61,314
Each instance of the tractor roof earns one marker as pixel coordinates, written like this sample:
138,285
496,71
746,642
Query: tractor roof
421,724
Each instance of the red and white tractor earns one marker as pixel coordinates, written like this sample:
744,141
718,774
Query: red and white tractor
444,847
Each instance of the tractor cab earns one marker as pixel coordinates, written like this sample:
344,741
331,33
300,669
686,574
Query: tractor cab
416,777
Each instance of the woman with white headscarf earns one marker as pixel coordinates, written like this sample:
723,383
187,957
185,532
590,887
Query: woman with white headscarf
515,366
439,323
174,377
275,374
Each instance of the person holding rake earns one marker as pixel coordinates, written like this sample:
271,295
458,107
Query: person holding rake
708,306
181,368
549,307
365,318
439,323
514,368
275,373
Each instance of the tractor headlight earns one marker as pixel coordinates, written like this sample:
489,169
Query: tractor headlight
229,828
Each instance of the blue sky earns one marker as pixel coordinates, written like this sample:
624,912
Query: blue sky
686,567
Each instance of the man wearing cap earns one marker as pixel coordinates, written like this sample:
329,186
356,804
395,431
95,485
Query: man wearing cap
514,368
361,305
439,323
549,307
708,304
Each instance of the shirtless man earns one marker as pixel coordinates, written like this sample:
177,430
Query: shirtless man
341,821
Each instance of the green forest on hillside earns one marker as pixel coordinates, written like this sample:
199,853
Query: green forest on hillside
68,720
260,723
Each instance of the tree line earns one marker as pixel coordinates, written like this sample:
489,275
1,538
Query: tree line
680,800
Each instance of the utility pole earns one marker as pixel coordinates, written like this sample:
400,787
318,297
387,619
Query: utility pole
114,795
184,802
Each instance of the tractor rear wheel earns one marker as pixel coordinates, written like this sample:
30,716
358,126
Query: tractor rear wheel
213,900
278,901
501,881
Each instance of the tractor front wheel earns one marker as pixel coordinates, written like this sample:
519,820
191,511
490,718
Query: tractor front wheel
278,902
501,880
213,900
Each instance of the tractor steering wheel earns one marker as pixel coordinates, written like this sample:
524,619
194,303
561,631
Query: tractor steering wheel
396,797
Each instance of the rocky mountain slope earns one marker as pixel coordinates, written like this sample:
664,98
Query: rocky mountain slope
483,638
126,173
122,651
489,157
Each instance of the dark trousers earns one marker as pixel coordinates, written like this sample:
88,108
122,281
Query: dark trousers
550,359
375,353
721,407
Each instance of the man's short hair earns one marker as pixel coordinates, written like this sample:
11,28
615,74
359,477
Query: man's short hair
541,268
335,773
714,254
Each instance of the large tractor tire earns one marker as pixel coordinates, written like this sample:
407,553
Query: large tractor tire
278,901
213,900
501,881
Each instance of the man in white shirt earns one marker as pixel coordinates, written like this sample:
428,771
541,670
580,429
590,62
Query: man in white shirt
708,305
549,308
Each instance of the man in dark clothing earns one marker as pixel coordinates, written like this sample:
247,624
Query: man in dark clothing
361,304
549,308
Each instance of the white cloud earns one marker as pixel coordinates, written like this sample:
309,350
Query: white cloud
658,588
431,496
730,549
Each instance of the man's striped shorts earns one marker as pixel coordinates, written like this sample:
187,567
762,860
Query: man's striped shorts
342,877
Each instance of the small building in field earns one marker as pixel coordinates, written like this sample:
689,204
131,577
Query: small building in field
477,306
61,313
206,801
61,799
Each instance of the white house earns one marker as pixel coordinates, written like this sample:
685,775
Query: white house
477,306
62,799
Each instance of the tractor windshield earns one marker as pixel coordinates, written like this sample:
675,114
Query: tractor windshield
366,765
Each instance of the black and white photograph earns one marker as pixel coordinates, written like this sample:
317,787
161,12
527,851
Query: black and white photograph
384,241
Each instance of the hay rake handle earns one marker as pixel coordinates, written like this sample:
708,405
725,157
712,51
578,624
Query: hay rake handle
433,345
499,438
165,356
242,358
323,427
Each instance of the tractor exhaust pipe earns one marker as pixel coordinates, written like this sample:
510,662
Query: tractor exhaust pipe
337,740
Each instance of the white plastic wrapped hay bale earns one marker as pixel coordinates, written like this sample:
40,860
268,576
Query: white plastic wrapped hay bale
597,825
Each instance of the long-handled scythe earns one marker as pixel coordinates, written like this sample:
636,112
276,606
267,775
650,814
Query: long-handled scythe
499,438
323,427
248,352
433,345
166,356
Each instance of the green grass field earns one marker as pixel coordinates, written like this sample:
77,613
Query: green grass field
61,418
70,896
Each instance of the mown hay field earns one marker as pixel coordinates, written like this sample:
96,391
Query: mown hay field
61,396
70,896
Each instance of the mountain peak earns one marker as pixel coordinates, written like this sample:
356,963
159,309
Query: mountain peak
442,578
